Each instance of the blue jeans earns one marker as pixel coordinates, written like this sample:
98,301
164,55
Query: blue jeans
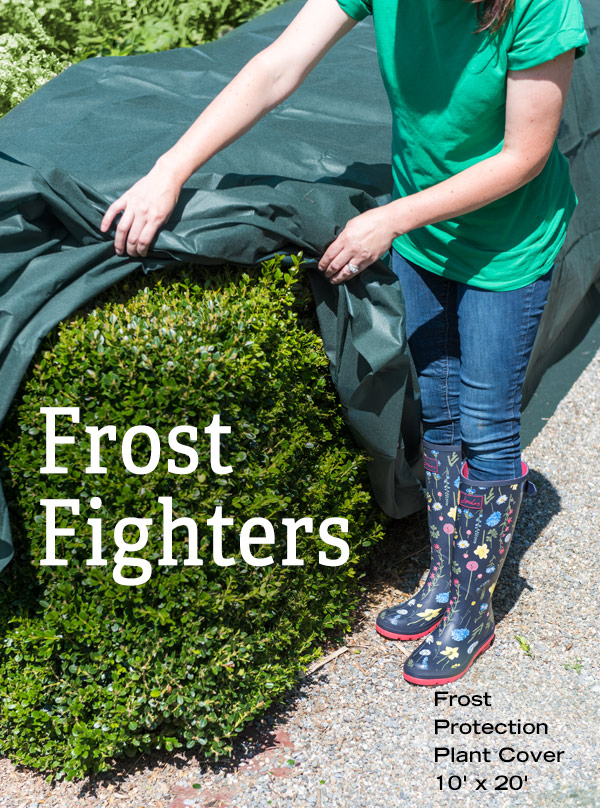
471,348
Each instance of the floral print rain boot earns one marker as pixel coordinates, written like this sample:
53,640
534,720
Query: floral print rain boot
486,516
413,619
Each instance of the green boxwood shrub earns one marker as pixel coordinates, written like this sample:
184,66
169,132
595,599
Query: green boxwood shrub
91,669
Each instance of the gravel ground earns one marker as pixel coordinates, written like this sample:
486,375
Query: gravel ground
354,733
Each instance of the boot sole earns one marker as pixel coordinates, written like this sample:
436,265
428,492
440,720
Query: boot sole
395,636
444,680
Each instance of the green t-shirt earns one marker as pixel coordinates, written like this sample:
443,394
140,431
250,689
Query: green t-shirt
447,90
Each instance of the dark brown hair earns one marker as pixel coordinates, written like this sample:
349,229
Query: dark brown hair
492,13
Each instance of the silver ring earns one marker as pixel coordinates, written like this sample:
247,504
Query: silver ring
354,268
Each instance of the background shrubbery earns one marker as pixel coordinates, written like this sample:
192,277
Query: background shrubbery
90,669
24,66
38,38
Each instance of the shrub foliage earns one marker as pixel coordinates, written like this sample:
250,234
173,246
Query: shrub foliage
90,669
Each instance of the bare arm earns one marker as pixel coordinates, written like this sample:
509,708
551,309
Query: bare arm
534,103
268,78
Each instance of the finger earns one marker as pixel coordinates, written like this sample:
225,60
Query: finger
338,263
134,235
122,230
145,237
332,251
111,212
346,273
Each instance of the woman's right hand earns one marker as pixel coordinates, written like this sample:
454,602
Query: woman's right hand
146,206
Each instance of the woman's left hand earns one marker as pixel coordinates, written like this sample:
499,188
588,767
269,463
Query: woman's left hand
364,240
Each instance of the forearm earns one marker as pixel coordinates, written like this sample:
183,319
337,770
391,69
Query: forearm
255,90
535,99
482,183
369,235
270,77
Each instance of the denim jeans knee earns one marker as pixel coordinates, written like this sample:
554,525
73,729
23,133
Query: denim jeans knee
497,332
471,348
432,333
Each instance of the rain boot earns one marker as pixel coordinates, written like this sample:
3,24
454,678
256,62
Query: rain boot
485,521
417,617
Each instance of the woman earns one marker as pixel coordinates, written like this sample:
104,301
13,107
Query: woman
481,202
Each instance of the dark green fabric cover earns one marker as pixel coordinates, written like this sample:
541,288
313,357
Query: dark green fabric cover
290,184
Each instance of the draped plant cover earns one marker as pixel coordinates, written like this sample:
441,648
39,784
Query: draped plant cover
288,185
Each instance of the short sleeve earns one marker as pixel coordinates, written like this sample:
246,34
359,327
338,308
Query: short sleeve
357,9
544,29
